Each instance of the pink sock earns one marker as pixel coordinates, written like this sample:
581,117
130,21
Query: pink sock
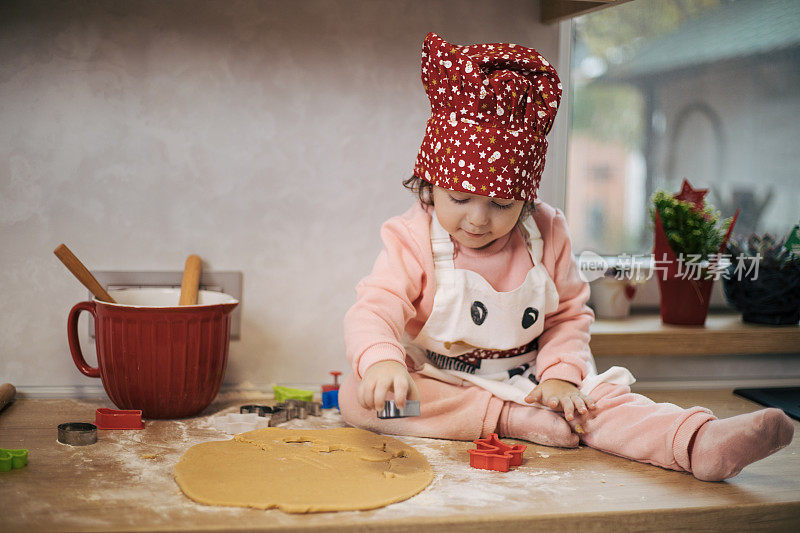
721,448
535,424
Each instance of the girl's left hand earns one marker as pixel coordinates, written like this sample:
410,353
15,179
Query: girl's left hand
561,395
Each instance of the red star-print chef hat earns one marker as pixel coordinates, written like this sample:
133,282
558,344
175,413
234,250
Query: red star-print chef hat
491,107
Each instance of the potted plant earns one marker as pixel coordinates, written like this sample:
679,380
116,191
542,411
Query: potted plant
688,241
763,280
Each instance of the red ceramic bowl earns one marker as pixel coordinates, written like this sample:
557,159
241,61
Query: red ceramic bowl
153,355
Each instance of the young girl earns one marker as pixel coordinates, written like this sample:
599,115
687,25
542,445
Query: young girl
480,278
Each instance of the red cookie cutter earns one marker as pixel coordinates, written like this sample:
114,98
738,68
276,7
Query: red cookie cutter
493,454
105,418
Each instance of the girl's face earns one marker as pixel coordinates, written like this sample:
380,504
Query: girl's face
474,220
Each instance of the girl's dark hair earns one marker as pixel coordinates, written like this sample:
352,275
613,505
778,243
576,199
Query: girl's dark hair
424,191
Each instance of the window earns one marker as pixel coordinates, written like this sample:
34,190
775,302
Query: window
660,90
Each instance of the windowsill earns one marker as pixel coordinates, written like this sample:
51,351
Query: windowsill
643,334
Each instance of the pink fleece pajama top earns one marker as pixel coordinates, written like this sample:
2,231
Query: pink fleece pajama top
397,296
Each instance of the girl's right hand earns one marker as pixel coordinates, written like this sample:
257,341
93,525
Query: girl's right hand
383,377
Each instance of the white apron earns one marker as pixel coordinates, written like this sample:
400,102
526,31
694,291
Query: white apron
468,314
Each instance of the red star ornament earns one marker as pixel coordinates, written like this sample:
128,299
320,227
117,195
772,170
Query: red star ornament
692,195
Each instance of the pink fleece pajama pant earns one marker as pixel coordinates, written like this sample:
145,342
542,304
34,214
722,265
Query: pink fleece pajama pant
624,423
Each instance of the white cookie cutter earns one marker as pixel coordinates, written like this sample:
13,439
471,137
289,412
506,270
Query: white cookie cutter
234,423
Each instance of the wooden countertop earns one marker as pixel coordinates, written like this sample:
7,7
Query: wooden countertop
723,334
124,483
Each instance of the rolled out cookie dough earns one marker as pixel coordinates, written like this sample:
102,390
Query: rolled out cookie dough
303,471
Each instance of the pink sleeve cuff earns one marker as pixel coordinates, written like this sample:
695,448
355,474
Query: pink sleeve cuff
562,371
382,351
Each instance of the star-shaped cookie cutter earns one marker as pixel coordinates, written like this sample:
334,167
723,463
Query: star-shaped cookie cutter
493,454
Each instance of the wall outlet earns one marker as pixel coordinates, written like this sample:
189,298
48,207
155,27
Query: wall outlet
228,282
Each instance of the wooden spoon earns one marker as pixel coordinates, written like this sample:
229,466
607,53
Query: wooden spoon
191,280
7,392
82,273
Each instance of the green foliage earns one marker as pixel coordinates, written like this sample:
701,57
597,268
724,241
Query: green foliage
615,113
688,230
610,114
609,33
773,252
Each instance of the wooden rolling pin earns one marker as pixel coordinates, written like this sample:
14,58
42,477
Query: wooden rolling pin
190,283
82,273
7,392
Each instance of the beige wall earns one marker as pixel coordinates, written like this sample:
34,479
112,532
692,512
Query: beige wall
267,137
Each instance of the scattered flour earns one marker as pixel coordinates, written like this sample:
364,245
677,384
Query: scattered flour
455,482
148,457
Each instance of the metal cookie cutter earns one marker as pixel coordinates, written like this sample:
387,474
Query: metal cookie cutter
278,417
311,408
391,410
284,409
305,408
260,410
77,433
283,412
315,409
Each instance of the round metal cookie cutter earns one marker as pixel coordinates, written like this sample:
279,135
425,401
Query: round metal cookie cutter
77,433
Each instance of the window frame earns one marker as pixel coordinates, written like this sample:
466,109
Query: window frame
647,298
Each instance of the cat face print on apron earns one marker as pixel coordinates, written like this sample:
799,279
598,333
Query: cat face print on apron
469,315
